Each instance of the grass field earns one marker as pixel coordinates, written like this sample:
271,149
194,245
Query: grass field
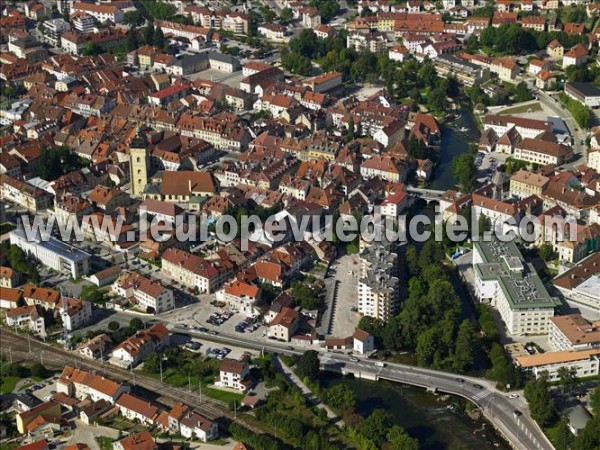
8,384
533,107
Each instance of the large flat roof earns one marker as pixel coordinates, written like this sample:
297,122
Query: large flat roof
519,281
63,249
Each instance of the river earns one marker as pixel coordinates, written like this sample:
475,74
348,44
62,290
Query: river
438,425
454,142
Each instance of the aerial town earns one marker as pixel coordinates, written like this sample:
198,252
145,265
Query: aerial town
179,185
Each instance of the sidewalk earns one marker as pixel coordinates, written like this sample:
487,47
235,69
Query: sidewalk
312,398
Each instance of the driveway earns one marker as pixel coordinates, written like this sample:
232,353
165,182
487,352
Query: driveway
86,434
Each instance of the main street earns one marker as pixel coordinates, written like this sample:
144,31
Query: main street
513,422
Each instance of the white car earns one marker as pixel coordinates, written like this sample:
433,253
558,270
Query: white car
513,396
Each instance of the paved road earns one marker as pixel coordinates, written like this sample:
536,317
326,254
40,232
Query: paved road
556,107
520,430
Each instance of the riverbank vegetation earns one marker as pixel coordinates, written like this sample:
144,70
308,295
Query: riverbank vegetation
430,323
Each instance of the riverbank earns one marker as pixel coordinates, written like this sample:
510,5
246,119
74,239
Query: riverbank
438,422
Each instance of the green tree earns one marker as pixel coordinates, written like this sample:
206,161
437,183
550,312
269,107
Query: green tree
376,426
595,400
113,325
564,438
522,93
133,18
464,171
136,324
149,35
547,252
159,39
307,365
465,346
589,437
286,14
132,41
399,439
341,397
567,378
152,363
541,404
38,370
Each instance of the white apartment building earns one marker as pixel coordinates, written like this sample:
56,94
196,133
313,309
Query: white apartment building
232,374
149,295
28,317
53,253
53,28
102,12
75,313
527,128
512,287
378,284
573,333
84,23
81,384
586,363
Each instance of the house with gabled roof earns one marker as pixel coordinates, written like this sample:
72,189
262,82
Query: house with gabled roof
82,384
134,349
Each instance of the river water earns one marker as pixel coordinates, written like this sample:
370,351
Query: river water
454,142
437,424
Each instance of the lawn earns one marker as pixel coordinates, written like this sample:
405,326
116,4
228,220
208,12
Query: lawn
8,384
224,396
104,442
522,109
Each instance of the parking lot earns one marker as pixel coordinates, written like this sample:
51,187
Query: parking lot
345,317
487,164
211,349
207,315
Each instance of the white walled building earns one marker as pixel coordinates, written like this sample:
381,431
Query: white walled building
55,254
232,374
573,333
75,313
586,363
511,286
149,295
378,284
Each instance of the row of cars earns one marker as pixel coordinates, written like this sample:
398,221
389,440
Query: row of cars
219,353
219,319
248,325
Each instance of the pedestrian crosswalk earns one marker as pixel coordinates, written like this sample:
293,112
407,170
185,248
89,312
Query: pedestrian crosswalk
482,395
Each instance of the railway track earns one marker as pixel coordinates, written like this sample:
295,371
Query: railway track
17,347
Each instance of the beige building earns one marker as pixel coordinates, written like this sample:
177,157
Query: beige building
524,184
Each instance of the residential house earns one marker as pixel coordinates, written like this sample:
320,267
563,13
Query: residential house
233,374
150,295
75,313
27,317
133,350
284,325
82,384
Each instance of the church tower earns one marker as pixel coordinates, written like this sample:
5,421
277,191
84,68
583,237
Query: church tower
139,164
